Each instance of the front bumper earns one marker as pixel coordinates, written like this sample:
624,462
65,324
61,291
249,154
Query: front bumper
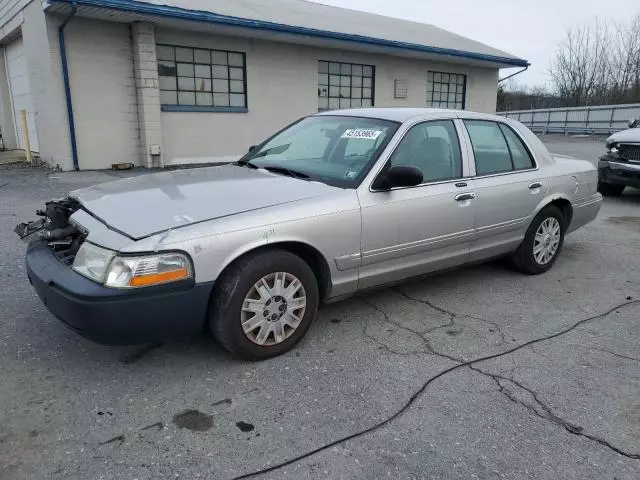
112,316
618,172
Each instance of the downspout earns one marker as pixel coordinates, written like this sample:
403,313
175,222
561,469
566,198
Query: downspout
67,88
513,74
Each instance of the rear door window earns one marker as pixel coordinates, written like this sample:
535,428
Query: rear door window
489,147
519,153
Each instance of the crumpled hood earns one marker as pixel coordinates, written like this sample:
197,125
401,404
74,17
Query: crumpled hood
629,135
149,204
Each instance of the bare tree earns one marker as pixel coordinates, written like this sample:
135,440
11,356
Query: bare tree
513,96
624,62
598,63
578,69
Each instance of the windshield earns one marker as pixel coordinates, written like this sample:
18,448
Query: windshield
335,150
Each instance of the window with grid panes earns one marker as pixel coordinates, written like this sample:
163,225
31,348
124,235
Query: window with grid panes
201,78
345,85
446,90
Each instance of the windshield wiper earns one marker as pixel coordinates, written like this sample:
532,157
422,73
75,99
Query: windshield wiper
246,163
273,150
286,171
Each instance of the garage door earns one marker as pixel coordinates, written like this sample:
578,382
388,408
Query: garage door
20,92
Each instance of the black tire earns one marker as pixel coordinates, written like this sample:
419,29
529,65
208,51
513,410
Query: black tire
523,259
610,190
234,285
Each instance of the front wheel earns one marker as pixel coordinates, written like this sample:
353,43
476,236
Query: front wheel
542,243
264,304
610,190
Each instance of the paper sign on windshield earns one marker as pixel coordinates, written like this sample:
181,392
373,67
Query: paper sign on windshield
362,133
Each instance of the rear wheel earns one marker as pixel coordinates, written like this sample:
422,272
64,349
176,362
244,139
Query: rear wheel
610,190
542,243
264,304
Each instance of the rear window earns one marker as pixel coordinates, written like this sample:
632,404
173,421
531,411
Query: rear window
489,147
497,148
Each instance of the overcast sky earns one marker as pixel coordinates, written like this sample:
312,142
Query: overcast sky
529,29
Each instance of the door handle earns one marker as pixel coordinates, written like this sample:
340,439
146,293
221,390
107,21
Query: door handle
461,197
534,185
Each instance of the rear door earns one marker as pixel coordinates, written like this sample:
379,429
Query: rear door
415,230
508,187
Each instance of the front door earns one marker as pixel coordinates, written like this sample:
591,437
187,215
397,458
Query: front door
416,230
508,188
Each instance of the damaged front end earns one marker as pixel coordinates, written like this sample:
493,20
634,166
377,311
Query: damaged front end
55,228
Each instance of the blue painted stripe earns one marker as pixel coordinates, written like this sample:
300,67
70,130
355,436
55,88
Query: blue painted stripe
197,108
210,17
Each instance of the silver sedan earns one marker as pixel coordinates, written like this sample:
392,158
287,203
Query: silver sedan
333,204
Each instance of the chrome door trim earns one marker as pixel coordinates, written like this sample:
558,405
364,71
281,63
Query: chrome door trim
347,262
509,223
389,253
429,184
510,172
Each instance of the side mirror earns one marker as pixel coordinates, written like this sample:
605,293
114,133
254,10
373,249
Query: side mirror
399,176
634,122
252,148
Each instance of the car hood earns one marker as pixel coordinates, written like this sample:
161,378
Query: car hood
629,135
149,204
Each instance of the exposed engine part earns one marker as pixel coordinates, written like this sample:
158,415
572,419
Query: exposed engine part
57,212
59,233
26,229
54,226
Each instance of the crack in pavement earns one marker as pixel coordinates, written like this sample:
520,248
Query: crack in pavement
422,335
615,354
425,342
418,393
546,413
454,315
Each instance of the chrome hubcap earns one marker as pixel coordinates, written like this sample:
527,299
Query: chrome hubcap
273,309
547,241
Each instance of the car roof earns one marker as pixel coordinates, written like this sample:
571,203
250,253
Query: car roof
401,114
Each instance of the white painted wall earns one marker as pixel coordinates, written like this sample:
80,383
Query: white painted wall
18,77
40,37
7,126
282,86
103,92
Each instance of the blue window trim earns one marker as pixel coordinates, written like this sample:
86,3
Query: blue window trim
210,17
196,108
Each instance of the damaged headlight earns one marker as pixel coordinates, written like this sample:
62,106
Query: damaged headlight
612,148
106,267
92,261
147,270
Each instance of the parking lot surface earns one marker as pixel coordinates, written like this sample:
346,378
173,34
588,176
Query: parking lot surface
476,373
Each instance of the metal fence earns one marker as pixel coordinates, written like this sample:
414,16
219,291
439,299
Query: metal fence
602,119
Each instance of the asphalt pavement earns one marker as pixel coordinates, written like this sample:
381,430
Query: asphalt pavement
480,373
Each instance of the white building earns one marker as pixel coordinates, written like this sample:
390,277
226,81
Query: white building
159,82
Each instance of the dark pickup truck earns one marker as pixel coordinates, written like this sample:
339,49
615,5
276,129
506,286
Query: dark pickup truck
620,166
